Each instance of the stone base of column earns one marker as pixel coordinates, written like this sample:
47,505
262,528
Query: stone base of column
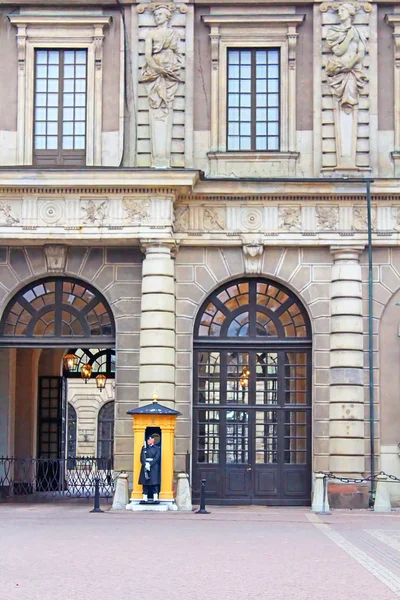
349,495
162,507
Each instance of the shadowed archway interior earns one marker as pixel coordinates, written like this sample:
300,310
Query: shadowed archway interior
252,395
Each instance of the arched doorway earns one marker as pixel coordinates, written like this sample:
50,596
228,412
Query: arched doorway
252,395
48,316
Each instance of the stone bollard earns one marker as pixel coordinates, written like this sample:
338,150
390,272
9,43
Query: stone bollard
320,503
183,497
382,496
121,495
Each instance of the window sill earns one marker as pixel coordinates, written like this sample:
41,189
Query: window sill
249,164
252,156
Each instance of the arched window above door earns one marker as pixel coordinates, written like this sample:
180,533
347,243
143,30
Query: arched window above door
252,308
54,309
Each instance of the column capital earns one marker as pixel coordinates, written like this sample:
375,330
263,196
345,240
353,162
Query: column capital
151,247
346,252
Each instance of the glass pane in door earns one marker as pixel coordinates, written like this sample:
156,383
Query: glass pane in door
296,378
295,438
208,437
237,437
237,378
267,378
266,437
209,378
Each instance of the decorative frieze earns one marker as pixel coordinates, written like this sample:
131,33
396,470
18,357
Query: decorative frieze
289,218
327,217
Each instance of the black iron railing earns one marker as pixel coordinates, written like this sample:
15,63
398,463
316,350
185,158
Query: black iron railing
72,477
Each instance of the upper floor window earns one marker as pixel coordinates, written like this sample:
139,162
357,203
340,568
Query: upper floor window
253,100
60,107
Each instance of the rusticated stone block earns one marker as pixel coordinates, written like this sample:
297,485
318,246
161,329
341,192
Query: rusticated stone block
93,263
344,376
156,338
19,263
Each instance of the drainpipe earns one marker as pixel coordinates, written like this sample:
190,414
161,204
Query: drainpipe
370,340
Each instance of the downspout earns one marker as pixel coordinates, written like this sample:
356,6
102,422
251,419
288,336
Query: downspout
370,342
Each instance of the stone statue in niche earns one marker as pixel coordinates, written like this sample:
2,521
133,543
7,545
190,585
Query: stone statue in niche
161,75
344,70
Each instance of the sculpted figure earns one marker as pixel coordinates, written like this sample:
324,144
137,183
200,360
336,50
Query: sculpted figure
161,75
345,68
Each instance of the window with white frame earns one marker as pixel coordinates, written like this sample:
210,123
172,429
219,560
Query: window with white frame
253,90
253,99
60,107
60,87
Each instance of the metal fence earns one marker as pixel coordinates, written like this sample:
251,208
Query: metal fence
40,478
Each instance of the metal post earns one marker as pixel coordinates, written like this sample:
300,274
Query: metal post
202,510
97,508
370,342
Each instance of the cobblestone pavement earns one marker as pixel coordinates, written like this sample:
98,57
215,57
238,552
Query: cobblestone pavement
62,552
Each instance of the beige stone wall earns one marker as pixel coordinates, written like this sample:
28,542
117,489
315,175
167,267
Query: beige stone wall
307,271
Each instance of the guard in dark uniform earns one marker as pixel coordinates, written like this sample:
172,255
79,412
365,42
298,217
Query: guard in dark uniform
150,473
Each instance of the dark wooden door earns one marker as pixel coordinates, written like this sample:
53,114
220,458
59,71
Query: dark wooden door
252,442
51,432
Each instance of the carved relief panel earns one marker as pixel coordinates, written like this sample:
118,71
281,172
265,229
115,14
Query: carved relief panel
162,85
348,78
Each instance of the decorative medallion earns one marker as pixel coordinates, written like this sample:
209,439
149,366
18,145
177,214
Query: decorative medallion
252,218
51,212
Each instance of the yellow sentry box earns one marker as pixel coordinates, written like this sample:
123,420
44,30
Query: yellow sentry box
159,420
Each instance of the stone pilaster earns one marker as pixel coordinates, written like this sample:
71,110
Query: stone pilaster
346,411
157,325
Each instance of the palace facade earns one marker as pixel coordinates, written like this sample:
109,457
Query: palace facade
185,187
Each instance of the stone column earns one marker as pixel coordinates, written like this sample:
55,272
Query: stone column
157,325
346,411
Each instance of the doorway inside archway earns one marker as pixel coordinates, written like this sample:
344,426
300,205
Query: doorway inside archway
57,420
252,395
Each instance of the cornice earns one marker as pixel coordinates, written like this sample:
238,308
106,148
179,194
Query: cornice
60,19
96,181
253,19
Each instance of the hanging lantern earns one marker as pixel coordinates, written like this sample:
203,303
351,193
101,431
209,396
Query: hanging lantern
86,372
70,362
101,381
244,378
